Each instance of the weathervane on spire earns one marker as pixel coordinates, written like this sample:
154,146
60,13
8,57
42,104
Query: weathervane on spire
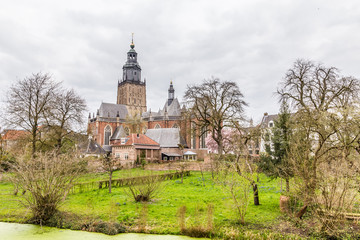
132,45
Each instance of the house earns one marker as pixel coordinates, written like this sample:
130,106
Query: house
134,148
11,137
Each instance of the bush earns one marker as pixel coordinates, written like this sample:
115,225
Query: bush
46,179
143,189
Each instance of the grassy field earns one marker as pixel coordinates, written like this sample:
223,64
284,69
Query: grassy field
159,215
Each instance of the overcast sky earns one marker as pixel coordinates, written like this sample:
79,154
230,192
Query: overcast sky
254,42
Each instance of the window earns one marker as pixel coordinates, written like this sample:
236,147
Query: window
175,126
157,126
107,135
193,135
203,137
126,156
271,124
122,141
117,155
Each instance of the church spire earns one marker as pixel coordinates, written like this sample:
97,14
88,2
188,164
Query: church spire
132,69
171,92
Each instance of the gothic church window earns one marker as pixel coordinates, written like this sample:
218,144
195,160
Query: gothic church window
203,137
107,135
193,135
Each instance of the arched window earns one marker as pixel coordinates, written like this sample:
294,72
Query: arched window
157,126
107,135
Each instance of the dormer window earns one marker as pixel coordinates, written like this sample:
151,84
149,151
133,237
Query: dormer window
271,124
123,141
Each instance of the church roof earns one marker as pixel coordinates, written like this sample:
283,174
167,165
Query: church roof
167,137
111,110
91,147
118,133
173,110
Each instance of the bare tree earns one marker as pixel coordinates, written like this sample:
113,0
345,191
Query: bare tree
27,101
65,115
215,105
40,106
109,164
237,185
326,121
47,179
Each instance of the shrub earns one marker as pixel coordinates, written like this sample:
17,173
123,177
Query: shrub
46,179
143,189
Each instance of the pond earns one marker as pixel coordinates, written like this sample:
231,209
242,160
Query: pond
16,231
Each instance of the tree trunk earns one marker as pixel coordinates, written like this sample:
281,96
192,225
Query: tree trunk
110,180
256,194
33,150
287,184
301,212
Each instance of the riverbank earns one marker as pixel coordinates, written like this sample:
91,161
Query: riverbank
97,210
16,231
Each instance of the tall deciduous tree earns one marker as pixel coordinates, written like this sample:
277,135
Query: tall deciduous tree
215,105
39,103
327,122
65,116
27,101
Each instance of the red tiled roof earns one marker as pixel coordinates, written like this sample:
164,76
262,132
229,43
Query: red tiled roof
14,134
138,139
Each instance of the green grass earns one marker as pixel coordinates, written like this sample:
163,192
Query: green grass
162,211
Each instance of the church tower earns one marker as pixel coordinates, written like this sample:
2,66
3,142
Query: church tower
131,90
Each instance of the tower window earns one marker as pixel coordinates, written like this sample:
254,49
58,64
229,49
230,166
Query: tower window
134,73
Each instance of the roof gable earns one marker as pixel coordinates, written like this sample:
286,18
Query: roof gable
167,137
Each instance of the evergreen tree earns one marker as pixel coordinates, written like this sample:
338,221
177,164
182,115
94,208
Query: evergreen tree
274,162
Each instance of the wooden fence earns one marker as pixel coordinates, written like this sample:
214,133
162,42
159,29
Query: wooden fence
121,182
